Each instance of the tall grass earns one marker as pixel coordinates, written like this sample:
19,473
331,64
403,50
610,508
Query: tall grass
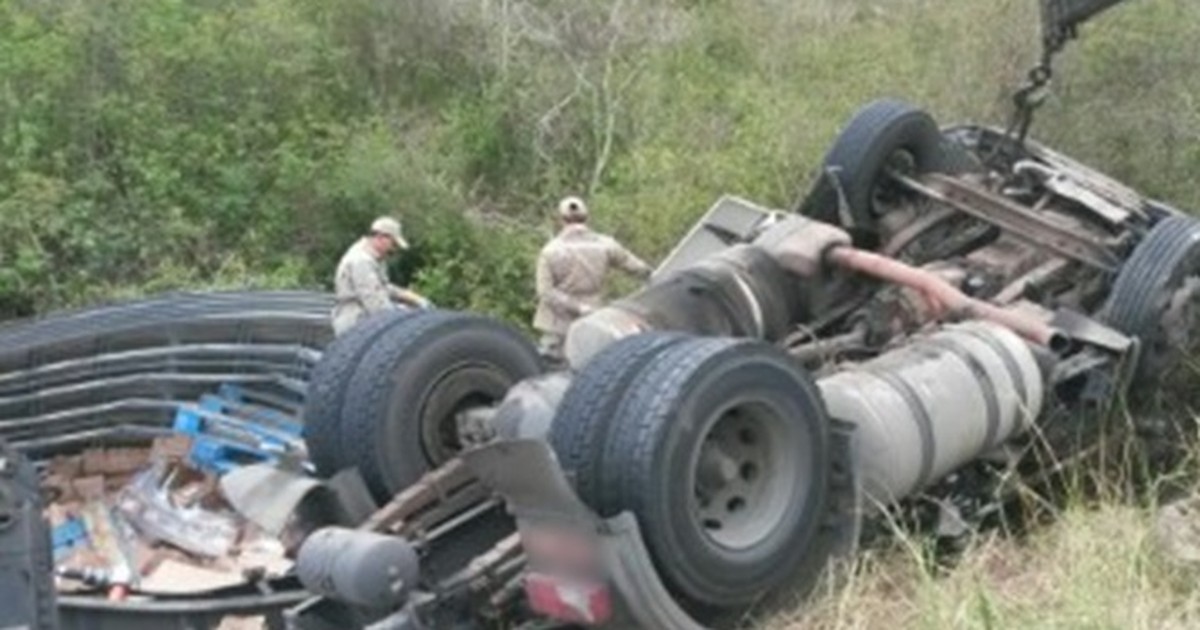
1115,545
1093,568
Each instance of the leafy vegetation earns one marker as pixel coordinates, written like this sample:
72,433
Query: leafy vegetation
188,143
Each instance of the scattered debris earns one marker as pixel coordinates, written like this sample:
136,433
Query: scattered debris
150,504
175,577
151,519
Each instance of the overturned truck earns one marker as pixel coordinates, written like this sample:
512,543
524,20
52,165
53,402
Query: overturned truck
944,299
944,305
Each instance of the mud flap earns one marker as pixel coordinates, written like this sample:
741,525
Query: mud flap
527,475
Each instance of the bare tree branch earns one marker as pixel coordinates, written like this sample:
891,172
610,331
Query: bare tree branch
594,50
546,120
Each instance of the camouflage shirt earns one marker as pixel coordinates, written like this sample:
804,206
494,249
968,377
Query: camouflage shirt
570,275
361,286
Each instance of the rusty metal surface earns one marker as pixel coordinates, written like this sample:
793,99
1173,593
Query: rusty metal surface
1015,218
421,524
434,487
1061,183
1032,278
1009,256
944,299
1115,192
909,233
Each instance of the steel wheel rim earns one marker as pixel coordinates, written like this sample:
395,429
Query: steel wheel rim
463,387
743,479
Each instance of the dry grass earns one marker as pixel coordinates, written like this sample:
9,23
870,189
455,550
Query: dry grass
1103,557
1093,568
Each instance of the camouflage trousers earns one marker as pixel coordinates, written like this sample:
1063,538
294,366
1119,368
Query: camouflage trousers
551,348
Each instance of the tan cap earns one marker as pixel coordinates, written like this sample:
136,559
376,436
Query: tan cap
572,208
390,227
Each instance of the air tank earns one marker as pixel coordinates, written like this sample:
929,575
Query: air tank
927,408
358,567
739,292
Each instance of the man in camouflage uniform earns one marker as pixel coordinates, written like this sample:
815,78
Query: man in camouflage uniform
570,274
361,284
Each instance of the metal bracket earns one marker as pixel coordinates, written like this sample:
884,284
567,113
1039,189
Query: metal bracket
1014,218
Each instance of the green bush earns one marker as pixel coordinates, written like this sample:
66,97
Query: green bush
179,143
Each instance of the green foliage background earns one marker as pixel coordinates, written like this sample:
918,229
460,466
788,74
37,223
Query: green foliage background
198,143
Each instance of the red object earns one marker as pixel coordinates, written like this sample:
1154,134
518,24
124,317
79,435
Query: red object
942,296
572,601
118,593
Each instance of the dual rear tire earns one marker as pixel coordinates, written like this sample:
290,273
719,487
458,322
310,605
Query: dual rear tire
387,395
719,447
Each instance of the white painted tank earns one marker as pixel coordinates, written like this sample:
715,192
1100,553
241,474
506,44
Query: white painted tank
925,409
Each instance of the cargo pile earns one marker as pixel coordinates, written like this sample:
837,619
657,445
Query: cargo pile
152,520
133,414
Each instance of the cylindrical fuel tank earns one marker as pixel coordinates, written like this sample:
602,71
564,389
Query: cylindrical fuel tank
739,292
927,408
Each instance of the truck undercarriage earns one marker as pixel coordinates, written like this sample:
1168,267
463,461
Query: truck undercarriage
946,309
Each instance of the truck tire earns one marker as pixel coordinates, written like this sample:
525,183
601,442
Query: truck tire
75,373
881,134
327,389
398,418
165,321
583,418
1154,296
133,315
720,451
